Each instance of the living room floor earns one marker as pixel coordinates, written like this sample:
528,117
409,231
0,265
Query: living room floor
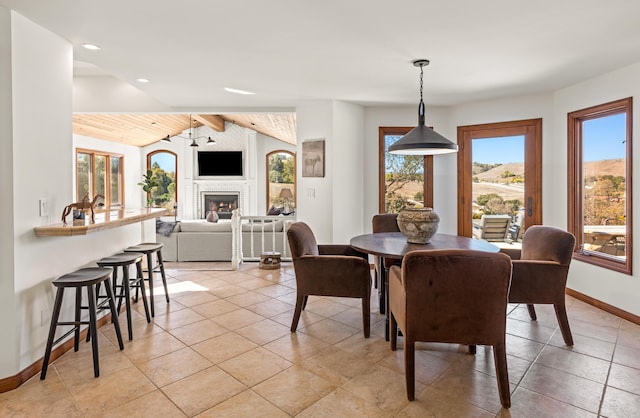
222,348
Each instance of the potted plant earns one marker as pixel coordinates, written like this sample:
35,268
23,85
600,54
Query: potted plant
148,183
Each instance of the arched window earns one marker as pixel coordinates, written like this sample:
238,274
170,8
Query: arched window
281,182
164,166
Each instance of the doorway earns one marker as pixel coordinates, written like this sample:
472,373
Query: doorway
500,174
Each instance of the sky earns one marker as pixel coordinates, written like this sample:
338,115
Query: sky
603,139
506,149
166,161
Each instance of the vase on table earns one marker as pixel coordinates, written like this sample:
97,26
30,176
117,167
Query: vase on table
418,224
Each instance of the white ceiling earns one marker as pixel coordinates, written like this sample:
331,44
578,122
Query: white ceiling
353,50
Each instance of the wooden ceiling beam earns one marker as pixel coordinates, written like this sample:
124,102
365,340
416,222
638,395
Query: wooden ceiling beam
214,122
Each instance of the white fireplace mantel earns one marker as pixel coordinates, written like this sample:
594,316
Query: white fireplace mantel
241,187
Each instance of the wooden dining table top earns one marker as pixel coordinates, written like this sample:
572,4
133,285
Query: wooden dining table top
395,245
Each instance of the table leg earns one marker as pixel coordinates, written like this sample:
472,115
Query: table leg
380,280
385,287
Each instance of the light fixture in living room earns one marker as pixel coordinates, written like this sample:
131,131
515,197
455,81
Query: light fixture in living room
191,137
422,140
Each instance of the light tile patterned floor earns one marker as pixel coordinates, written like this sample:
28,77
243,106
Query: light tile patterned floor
222,348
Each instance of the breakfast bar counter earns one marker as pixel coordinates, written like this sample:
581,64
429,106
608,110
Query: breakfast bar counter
103,220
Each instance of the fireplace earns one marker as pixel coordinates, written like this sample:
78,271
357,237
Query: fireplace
225,202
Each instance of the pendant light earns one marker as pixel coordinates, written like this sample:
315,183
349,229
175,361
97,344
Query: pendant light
191,138
422,140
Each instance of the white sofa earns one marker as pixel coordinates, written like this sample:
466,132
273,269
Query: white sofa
200,240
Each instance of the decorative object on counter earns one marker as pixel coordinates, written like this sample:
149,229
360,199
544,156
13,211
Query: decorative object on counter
418,224
81,206
148,183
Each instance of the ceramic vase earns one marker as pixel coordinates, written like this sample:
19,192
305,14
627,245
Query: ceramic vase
418,224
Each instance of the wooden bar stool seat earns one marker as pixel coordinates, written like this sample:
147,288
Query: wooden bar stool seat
88,278
150,248
125,260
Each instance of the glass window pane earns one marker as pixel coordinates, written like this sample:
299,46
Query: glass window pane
498,182
101,175
163,166
281,193
83,177
604,184
116,181
404,178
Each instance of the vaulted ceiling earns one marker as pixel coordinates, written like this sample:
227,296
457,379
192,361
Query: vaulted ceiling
144,129
286,52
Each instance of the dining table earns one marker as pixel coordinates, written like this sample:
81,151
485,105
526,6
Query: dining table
394,245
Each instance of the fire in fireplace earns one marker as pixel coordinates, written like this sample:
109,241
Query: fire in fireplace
223,203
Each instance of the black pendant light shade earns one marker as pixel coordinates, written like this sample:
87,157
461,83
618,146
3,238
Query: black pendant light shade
422,140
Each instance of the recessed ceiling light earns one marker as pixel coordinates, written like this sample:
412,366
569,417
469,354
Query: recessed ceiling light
236,91
91,47
142,80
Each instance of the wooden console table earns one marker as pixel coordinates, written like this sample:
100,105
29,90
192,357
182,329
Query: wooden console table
104,220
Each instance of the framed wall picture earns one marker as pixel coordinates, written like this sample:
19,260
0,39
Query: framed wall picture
313,158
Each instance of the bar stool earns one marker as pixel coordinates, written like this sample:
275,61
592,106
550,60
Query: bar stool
149,248
86,277
124,260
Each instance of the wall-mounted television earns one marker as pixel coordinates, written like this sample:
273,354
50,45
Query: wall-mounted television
219,163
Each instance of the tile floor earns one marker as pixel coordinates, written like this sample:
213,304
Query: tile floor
222,348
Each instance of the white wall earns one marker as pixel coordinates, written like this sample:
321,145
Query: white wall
9,350
109,94
265,145
608,286
314,120
345,162
444,165
41,116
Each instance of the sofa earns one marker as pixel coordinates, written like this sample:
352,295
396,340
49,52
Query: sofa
199,240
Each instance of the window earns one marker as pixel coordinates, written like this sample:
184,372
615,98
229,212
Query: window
404,180
600,184
164,166
100,173
281,182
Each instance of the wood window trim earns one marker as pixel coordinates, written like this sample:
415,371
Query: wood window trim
575,180
295,173
530,128
428,168
93,153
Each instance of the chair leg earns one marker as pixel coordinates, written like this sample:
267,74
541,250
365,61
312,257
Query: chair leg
114,313
563,322
366,316
78,308
393,331
140,285
409,368
500,360
300,302
304,304
52,331
532,312
150,272
93,328
127,301
472,349
164,277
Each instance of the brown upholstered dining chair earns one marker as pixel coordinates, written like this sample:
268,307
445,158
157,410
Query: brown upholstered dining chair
328,270
451,296
540,273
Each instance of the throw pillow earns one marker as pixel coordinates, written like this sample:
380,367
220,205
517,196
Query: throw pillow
274,211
